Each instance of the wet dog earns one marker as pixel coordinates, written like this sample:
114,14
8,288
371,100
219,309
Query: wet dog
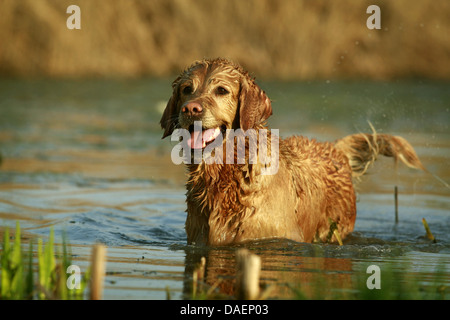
311,189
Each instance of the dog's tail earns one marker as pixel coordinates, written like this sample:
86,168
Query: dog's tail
363,149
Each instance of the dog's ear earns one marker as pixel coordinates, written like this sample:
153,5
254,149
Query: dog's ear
254,105
169,118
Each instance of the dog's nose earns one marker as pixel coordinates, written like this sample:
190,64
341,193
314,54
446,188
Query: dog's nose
192,109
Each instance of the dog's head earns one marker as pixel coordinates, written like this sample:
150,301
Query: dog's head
218,93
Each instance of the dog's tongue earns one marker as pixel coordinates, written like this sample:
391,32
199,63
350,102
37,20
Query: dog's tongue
199,139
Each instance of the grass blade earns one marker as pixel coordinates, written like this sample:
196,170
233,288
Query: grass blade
5,282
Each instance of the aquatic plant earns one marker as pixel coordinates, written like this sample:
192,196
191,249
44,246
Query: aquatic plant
17,276
15,282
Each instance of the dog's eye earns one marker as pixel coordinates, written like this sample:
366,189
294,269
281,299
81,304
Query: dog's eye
187,90
222,91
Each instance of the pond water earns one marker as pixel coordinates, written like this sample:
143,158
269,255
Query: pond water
86,158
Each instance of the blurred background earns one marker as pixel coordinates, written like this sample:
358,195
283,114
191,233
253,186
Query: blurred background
290,39
80,140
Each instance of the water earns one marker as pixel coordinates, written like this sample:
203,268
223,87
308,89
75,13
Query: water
86,158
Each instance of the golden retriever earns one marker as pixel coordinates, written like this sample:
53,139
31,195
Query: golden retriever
310,190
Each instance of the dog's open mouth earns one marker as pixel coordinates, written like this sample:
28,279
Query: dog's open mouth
200,139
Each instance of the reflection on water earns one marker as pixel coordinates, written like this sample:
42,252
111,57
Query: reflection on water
86,157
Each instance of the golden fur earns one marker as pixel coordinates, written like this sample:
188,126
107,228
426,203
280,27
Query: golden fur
234,203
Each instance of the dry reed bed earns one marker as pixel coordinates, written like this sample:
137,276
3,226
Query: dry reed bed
289,39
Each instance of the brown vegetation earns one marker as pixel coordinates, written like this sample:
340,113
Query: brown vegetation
289,39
